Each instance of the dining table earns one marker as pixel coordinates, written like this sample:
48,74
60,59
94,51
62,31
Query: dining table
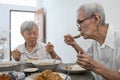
84,75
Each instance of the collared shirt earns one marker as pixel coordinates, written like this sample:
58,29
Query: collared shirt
108,53
39,52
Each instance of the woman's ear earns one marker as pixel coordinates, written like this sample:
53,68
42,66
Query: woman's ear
22,33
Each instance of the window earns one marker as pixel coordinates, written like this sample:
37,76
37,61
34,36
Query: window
17,18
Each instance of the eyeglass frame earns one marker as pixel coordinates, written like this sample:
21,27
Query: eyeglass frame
81,21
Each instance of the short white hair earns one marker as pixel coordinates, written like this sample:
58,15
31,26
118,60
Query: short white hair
27,25
91,8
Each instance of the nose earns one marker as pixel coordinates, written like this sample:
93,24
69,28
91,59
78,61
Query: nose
79,27
32,36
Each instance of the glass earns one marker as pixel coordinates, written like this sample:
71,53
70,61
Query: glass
2,47
80,21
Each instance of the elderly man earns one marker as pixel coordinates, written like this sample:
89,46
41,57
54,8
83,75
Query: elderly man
103,57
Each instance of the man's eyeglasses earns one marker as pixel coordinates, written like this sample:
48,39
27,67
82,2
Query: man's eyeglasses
80,21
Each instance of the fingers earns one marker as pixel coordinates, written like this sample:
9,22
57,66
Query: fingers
84,60
49,44
16,55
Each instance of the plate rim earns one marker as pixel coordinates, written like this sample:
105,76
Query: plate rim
72,71
28,77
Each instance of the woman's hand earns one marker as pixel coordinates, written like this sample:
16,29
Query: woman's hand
16,55
49,47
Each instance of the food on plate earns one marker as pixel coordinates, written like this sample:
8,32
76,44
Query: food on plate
74,67
46,63
31,60
5,77
68,67
48,75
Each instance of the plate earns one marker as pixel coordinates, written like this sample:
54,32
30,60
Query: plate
75,68
8,65
33,75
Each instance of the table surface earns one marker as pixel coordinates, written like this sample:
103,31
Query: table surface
85,75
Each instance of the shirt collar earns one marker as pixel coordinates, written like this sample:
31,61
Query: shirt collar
109,40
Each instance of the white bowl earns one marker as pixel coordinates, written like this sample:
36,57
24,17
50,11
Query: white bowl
46,64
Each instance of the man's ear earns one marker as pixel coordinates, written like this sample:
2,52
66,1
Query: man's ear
96,16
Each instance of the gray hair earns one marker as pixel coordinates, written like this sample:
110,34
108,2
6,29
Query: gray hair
27,25
91,8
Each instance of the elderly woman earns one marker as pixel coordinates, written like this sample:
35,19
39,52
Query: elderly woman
32,49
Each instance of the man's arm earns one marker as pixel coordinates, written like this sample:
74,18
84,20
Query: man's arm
89,63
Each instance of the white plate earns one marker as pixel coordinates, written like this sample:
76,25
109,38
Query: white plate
8,64
33,75
75,68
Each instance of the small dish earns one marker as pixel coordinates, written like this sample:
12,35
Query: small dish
29,71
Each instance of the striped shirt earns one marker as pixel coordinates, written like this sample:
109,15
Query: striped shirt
39,52
108,53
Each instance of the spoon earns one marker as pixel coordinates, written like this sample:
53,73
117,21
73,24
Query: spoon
55,60
67,74
77,36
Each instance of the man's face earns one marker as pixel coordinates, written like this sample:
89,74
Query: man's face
31,36
86,25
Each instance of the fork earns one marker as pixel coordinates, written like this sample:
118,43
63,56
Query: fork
55,60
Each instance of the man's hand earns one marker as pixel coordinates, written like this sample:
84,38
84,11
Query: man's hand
87,62
69,40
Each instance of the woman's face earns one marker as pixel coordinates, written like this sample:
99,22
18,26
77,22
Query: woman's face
31,36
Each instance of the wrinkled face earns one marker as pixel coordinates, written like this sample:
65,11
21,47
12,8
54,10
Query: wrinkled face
86,25
31,36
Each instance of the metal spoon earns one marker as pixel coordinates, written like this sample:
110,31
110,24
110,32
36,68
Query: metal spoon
77,36
55,60
67,74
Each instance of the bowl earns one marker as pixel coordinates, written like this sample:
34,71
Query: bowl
46,64
8,65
